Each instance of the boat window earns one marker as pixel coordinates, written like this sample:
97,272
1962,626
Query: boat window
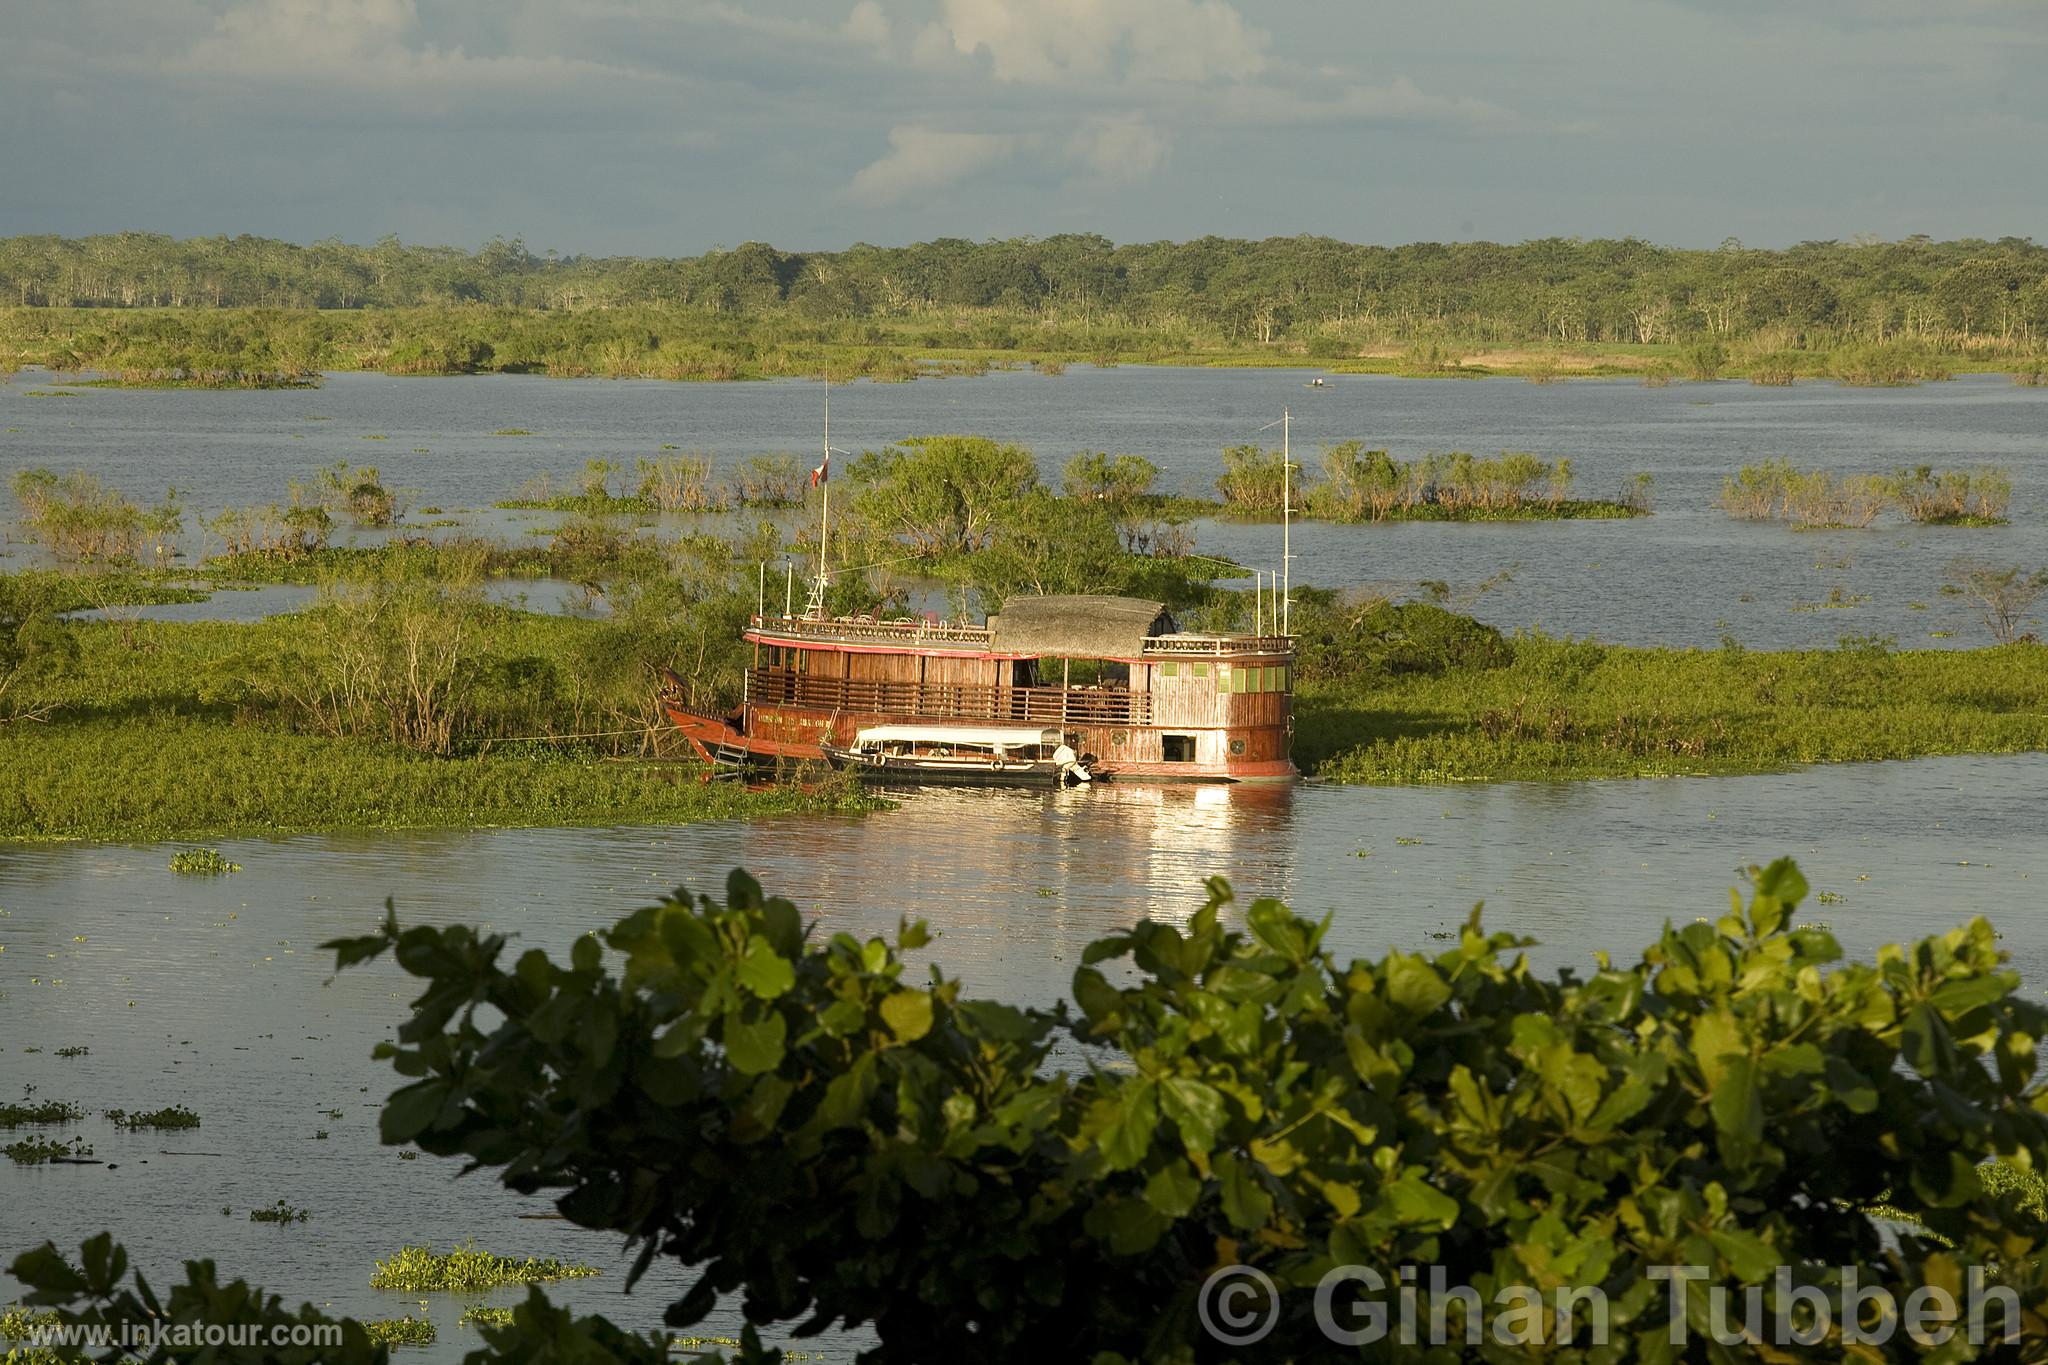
1198,670
1177,748
1169,669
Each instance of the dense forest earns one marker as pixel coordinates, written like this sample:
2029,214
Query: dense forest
142,309
1249,293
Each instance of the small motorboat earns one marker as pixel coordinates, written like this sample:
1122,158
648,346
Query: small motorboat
1317,383
981,755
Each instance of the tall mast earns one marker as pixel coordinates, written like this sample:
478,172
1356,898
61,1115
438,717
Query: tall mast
821,478
1286,521
825,486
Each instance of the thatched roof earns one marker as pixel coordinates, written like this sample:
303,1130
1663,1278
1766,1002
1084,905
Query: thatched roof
1079,627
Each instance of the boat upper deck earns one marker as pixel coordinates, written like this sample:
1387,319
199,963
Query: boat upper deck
921,635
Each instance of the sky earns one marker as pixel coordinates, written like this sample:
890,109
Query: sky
665,127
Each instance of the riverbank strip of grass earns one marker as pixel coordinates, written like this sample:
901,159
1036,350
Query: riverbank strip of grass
191,777
1556,710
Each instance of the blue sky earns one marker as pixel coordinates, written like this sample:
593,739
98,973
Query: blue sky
667,126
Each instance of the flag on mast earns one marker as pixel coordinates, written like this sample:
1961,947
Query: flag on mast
823,471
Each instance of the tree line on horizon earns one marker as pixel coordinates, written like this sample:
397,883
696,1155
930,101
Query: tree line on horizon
1316,294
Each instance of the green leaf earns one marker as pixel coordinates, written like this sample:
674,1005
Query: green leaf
412,1110
1173,1188
996,1022
1417,1203
848,1093
757,1045
764,971
1276,929
1197,1109
1750,1257
1953,998
1099,1000
1738,1109
1414,984
1126,1141
908,1014
1246,1203
1851,1088
1129,1226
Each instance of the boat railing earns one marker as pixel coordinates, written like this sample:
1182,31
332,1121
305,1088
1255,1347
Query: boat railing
1041,705
908,632
1211,645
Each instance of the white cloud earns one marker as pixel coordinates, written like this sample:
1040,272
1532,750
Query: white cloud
1049,42
374,44
868,26
921,158
1119,148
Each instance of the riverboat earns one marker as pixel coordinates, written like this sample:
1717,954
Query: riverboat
1135,696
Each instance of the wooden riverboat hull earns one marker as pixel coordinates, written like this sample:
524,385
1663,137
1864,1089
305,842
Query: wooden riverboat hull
796,736
942,772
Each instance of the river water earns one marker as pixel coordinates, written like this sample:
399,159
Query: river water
1687,576
209,992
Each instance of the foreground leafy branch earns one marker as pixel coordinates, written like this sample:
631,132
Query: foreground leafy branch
843,1145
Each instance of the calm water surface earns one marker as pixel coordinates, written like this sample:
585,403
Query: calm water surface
1687,576
209,992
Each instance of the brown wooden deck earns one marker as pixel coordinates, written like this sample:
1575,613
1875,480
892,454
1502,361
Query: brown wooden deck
1044,705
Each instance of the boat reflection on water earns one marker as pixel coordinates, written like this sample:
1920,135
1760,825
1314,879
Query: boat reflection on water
1017,881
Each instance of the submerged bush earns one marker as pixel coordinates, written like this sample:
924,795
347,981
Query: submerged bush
1952,496
358,494
680,483
1254,479
1349,642
79,519
769,481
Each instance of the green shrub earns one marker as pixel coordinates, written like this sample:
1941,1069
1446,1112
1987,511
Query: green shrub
1737,1098
1254,480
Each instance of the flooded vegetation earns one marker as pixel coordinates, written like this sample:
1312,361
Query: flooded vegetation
468,1268
502,765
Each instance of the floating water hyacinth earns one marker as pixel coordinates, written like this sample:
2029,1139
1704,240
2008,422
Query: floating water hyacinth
206,862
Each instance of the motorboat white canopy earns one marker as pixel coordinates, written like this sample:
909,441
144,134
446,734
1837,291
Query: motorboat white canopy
994,736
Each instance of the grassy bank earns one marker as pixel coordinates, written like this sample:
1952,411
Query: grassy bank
191,778
1545,709
354,716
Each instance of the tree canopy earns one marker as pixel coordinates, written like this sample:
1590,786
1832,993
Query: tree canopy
1306,289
